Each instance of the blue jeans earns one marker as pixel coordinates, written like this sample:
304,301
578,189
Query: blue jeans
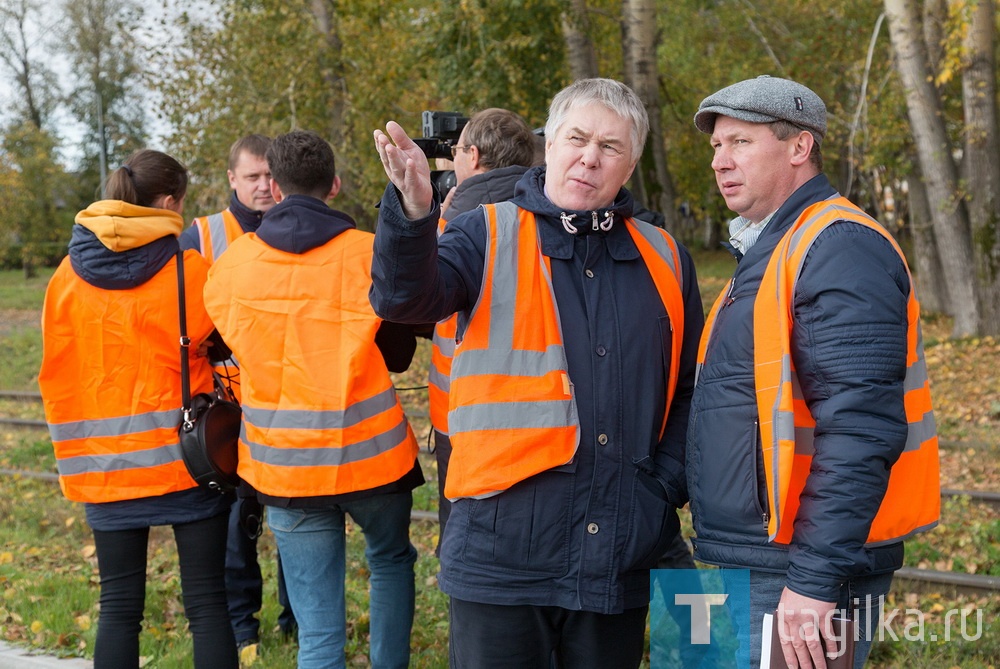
311,543
765,592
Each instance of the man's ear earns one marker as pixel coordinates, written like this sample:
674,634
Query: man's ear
335,189
473,152
276,191
802,147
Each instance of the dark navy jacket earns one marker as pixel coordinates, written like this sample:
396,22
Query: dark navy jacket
581,536
849,350
494,186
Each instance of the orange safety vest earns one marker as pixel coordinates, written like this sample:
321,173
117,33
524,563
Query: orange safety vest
215,234
912,502
439,373
320,414
513,412
110,381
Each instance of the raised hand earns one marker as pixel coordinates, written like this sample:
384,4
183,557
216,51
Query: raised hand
407,168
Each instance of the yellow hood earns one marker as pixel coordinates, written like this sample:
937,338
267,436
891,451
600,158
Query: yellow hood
121,226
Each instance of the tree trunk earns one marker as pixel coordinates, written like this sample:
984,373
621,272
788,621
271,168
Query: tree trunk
580,49
926,267
923,104
324,13
982,159
935,16
642,73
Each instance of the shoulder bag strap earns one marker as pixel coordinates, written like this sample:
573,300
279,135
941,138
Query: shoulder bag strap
185,341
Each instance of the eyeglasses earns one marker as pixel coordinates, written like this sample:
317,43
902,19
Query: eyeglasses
455,149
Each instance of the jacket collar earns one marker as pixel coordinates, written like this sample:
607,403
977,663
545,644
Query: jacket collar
556,239
300,223
249,219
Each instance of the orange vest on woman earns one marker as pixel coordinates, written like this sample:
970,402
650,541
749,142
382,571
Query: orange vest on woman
513,413
912,502
111,385
320,414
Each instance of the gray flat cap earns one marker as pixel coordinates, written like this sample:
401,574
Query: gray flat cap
765,100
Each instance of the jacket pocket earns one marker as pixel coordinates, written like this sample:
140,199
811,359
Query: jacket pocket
759,478
524,529
653,523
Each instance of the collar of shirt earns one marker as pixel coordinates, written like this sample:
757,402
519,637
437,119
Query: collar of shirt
743,233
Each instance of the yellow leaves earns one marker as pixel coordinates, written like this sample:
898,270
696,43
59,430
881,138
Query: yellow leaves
6,557
37,626
88,551
248,655
83,622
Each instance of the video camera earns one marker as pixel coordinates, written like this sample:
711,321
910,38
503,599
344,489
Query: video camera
441,131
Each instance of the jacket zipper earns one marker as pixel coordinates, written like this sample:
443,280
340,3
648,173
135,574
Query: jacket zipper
757,456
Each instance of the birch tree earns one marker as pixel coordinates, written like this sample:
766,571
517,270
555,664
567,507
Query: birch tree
950,222
982,157
654,187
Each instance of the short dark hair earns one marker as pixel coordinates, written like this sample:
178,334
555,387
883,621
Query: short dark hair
785,129
146,176
502,137
255,145
302,163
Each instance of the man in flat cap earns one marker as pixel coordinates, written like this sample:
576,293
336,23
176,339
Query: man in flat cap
812,450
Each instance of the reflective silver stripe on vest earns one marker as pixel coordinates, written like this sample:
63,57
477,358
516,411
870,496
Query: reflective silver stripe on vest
327,456
506,415
500,357
446,346
915,378
115,427
438,380
150,457
217,231
304,419
654,236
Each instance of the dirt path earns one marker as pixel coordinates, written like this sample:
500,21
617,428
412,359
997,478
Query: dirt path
15,319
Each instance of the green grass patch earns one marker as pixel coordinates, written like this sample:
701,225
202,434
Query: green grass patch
16,292
21,352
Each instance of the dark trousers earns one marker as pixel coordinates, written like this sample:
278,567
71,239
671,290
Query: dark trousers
442,453
244,583
491,636
121,558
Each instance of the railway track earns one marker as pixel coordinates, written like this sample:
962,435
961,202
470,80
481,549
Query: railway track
911,578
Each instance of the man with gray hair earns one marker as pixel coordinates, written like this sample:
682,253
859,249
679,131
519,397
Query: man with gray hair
812,452
578,331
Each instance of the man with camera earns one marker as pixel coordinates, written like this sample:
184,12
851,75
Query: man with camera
570,388
496,147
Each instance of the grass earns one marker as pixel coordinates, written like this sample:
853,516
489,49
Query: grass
48,571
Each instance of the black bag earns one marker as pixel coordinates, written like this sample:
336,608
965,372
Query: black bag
210,422
209,436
